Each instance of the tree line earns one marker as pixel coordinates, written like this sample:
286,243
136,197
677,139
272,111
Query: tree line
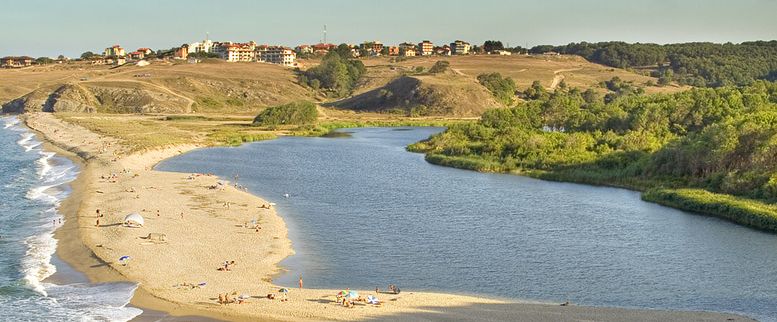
698,64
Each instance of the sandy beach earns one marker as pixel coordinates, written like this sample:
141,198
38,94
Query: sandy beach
207,221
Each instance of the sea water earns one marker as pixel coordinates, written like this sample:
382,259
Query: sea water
33,182
363,212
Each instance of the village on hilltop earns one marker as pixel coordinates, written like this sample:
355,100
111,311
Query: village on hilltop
252,52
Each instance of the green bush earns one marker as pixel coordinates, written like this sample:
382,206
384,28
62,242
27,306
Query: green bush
296,113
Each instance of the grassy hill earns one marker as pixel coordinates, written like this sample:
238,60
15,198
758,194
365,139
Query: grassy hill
213,87
425,95
549,70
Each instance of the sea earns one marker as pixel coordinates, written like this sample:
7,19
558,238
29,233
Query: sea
33,182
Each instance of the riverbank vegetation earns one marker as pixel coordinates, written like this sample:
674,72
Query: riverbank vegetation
721,140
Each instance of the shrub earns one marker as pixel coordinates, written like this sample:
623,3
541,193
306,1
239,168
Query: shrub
296,113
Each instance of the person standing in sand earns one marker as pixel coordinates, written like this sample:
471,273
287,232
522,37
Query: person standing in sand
300,282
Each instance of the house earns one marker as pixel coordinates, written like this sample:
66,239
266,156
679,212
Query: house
181,52
502,52
276,55
425,48
16,62
120,61
393,51
407,49
460,47
323,49
114,50
145,51
442,51
137,55
304,49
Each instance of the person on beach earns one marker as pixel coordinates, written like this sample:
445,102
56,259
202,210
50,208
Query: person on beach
97,224
300,282
98,213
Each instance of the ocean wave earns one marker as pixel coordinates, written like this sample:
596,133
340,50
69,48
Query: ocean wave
10,121
82,302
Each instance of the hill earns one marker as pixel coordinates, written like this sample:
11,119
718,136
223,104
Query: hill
214,87
425,95
575,71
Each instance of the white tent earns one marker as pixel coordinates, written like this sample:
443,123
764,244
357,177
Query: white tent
133,220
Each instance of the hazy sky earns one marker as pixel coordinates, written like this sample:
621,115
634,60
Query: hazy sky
37,27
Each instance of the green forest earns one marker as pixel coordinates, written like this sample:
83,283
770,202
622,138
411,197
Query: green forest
711,150
696,64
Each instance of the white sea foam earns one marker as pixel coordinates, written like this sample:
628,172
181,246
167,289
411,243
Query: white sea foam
89,302
10,121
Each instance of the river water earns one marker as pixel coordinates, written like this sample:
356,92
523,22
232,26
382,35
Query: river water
362,212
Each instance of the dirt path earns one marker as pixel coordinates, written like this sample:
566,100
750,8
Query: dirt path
558,76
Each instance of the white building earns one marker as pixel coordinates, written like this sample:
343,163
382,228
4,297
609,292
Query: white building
206,46
276,55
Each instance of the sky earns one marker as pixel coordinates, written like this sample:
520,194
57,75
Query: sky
70,27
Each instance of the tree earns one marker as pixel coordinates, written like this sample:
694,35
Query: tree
503,89
492,45
666,77
43,60
61,57
439,67
87,55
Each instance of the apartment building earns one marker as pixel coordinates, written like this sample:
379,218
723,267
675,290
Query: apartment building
276,55
460,47
425,48
236,52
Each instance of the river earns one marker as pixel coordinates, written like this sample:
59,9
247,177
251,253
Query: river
363,212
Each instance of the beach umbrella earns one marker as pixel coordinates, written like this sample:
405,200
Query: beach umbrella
283,290
352,294
123,258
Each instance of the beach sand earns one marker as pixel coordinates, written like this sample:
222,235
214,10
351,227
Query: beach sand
205,227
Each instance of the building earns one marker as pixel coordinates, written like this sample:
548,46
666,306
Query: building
393,51
407,49
276,55
502,52
181,52
323,49
145,51
460,47
16,62
137,55
115,51
425,48
442,51
205,46
120,60
237,52
304,49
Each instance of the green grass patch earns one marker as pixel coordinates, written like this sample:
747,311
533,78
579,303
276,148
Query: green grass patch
748,212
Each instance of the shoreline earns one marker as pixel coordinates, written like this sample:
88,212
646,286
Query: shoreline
83,252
